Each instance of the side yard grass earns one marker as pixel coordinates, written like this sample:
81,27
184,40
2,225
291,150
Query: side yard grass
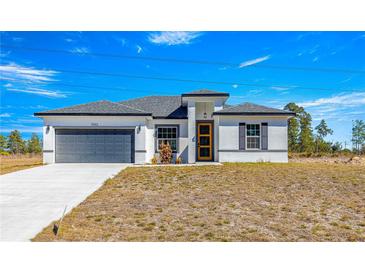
232,202
18,162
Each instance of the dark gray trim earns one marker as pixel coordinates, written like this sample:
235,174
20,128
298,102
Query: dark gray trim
264,136
252,150
170,118
94,127
140,151
48,150
242,136
206,95
39,114
177,137
254,113
196,142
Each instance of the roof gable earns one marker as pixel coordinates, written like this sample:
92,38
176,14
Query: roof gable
160,106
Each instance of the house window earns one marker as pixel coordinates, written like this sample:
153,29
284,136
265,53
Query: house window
253,136
167,134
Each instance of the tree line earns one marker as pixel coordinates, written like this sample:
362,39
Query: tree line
302,138
15,144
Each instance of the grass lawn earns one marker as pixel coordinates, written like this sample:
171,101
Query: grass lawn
233,202
18,162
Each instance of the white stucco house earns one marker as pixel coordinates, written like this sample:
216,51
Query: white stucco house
198,125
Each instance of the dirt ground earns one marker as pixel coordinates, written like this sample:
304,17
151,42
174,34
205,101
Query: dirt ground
232,202
18,162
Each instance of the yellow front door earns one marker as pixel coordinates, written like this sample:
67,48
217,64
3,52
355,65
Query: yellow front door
205,142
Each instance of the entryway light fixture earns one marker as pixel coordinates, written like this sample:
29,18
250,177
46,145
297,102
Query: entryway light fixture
205,111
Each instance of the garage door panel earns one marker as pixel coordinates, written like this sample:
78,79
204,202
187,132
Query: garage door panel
94,146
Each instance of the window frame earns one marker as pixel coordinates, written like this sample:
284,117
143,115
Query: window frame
246,136
157,149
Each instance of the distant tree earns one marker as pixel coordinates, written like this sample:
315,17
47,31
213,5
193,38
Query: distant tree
306,133
336,147
34,144
293,127
322,131
358,135
15,142
300,134
3,143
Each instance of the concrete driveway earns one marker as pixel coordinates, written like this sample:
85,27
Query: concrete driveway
30,199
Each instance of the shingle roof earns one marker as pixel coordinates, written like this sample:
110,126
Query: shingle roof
160,106
204,92
251,109
96,108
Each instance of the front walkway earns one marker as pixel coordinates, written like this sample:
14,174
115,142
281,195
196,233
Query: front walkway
31,199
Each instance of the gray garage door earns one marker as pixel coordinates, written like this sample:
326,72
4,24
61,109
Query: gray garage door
94,146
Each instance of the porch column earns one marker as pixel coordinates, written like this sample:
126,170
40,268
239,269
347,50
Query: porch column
191,132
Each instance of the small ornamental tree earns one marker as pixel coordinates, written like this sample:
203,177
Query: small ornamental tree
165,153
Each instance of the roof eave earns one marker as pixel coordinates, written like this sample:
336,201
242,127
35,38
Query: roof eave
40,114
255,113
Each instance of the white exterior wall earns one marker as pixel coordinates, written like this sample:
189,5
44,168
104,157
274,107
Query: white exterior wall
229,139
191,132
182,142
54,122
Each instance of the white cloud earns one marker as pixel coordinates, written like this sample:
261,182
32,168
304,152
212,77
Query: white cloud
139,49
234,86
80,50
348,99
14,72
254,61
5,115
172,38
8,85
280,88
41,92
69,40
341,107
23,107
315,59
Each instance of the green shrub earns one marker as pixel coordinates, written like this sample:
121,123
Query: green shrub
4,153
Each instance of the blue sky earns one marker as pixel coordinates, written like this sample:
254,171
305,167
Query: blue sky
34,80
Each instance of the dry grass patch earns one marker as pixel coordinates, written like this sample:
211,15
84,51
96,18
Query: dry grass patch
18,162
233,202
